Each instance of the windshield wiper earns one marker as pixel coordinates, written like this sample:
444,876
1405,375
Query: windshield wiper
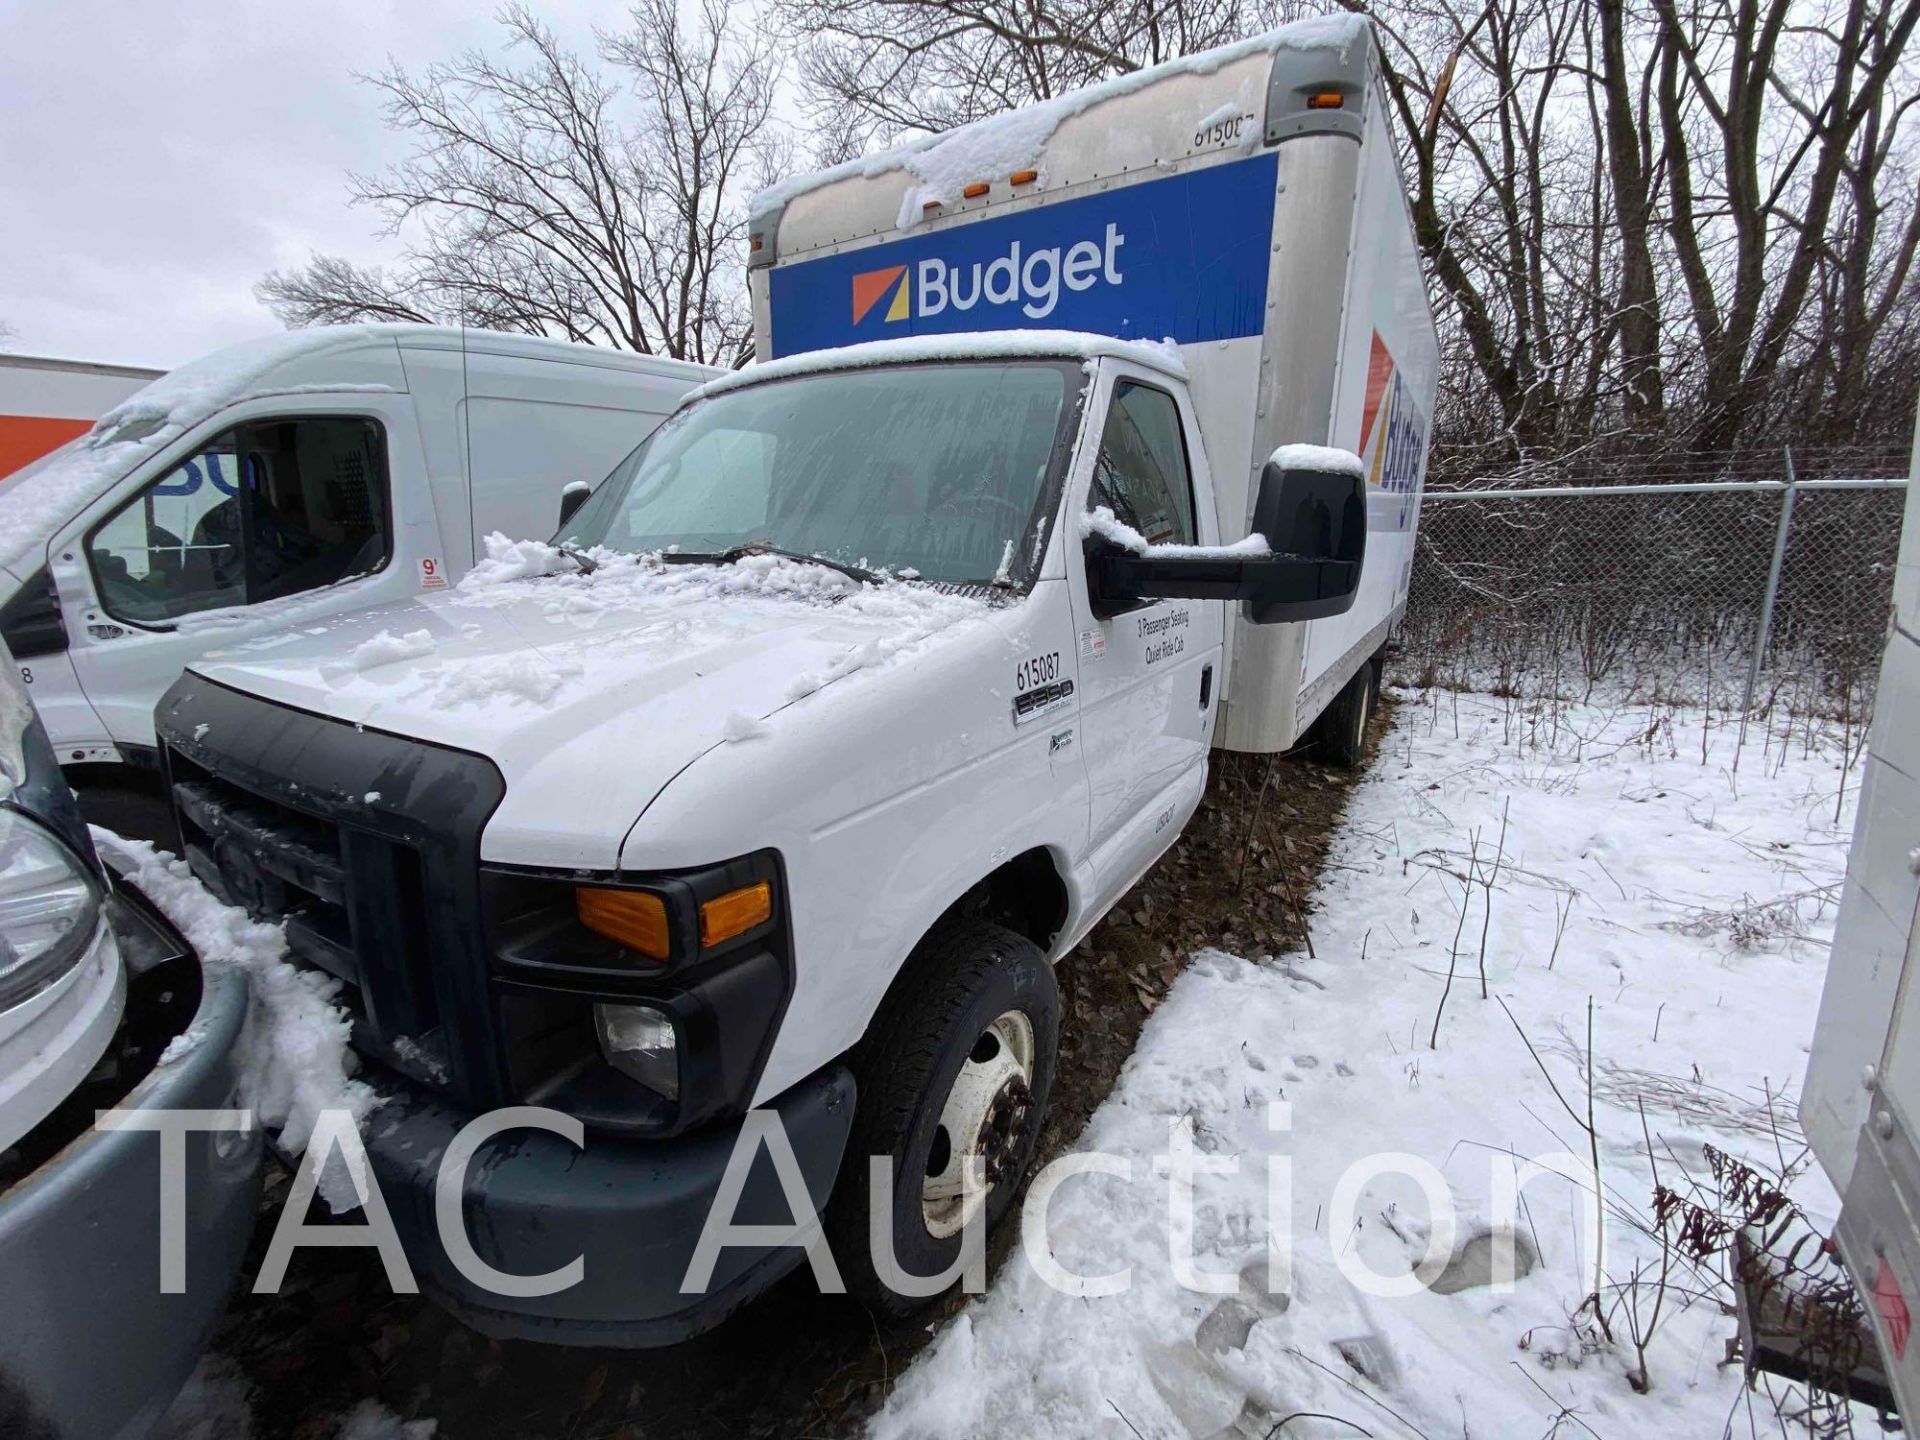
585,561
761,547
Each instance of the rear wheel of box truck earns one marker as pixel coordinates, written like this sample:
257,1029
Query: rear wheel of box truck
1343,729
953,1079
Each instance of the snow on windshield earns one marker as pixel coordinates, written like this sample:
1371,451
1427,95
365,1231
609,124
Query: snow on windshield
938,468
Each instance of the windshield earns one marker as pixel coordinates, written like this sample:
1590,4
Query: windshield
941,470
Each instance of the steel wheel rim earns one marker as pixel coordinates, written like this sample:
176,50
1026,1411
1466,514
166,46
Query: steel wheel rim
981,1124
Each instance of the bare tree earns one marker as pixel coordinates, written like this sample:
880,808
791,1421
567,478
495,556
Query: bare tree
875,69
549,195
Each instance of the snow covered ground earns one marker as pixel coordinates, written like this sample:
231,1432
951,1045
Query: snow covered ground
1642,881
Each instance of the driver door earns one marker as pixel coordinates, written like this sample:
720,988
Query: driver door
1149,677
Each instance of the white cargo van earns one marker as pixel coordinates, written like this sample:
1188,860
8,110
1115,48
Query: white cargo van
278,482
858,694
1860,1106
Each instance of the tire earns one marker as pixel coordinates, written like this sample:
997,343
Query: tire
1343,740
944,1014
128,807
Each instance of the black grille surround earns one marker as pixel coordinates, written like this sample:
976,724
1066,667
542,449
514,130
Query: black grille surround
368,845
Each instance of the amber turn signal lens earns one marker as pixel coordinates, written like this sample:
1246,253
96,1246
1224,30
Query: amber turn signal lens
1326,100
735,913
632,918
975,190
1023,177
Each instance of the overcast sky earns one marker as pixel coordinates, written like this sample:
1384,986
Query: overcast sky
157,159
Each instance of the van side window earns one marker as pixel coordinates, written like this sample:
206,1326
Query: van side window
1141,474
266,510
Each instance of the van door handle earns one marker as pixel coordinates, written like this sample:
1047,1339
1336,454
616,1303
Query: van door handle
1206,685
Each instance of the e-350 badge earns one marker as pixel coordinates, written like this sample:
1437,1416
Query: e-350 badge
1042,700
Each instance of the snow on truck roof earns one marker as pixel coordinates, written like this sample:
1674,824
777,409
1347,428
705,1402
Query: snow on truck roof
1001,144
1163,356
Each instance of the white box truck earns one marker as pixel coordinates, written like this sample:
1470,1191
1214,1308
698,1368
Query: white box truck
1860,1106
856,696
276,483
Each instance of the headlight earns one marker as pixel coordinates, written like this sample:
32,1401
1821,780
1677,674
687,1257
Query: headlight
639,1041
49,908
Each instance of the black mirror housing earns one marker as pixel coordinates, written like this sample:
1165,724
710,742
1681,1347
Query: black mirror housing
572,498
1314,520
1316,513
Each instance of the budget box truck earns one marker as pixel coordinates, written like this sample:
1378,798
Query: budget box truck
766,795
274,484
1860,1105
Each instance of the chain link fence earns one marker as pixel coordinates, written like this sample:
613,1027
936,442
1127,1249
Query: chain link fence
1762,594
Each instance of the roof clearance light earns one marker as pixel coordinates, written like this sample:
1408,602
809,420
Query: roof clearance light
735,913
1023,177
930,205
1326,100
975,190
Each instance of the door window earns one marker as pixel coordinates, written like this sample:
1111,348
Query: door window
1141,474
266,510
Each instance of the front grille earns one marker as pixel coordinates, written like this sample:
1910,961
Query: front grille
353,903
281,813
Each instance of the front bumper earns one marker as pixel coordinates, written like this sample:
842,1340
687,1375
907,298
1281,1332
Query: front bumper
633,1210
89,1346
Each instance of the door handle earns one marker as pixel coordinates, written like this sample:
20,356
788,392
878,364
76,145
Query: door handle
1206,685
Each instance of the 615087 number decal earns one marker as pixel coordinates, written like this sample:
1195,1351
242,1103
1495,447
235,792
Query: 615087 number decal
1037,670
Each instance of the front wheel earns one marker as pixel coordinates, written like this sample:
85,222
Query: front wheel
953,1081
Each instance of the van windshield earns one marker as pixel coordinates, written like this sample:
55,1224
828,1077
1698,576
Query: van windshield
942,470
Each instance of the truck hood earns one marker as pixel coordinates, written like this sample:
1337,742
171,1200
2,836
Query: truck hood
597,688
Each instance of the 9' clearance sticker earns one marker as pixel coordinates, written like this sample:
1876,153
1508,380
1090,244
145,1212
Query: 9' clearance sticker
433,575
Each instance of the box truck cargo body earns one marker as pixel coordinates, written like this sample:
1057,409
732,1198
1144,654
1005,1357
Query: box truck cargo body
774,786
278,482
1245,204
45,403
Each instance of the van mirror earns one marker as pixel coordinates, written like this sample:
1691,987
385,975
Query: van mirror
572,498
1315,523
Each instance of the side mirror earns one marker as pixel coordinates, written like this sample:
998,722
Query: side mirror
572,498
1312,506
1311,516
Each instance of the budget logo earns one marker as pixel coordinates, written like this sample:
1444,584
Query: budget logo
1393,434
869,286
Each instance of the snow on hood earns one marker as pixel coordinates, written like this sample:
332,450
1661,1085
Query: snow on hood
36,505
1001,144
1161,355
598,686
